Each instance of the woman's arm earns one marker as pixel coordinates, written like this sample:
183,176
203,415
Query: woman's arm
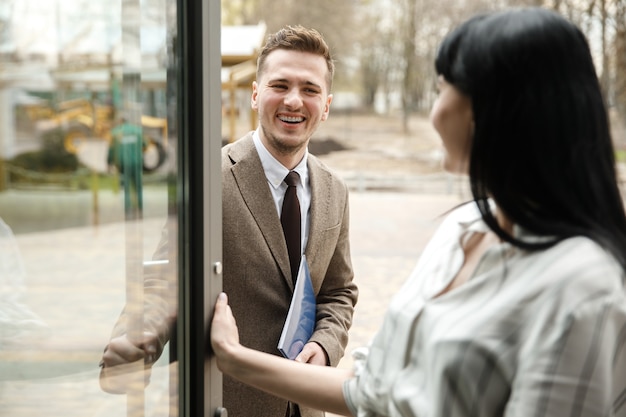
318,387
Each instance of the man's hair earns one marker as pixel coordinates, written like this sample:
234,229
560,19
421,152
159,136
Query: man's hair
301,39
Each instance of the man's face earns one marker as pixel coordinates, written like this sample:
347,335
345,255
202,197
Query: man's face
291,97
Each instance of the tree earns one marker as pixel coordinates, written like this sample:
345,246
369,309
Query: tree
620,61
378,49
409,76
334,19
393,42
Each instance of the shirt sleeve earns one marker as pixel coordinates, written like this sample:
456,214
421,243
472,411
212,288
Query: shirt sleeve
351,386
578,371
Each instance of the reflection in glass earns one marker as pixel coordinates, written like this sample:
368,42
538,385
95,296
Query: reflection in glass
19,325
87,198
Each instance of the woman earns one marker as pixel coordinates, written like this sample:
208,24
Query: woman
517,306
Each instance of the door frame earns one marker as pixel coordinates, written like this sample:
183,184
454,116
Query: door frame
200,203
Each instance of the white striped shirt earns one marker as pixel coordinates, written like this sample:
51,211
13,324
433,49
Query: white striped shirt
530,334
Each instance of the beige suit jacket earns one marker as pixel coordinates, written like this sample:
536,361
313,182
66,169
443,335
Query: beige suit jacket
257,276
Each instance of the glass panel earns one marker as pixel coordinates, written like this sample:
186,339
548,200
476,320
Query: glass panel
88,174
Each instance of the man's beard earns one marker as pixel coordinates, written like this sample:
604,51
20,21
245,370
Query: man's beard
281,145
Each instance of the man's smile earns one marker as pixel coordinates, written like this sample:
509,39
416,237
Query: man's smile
291,119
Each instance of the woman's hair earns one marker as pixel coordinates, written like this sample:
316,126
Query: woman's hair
542,147
300,39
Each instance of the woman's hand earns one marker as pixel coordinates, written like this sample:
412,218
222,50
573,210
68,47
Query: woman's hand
224,332
318,387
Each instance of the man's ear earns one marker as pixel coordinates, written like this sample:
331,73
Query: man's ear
255,94
329,100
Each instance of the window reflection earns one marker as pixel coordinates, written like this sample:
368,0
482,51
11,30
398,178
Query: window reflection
19,325
87,189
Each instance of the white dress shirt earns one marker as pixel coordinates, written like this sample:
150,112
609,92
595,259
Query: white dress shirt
530,334
276,173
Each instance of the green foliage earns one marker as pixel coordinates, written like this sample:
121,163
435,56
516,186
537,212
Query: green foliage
51,158
50,165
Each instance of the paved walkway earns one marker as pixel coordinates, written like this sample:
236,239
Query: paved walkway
388,233
75,283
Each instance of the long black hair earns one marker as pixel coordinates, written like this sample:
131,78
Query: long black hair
542,147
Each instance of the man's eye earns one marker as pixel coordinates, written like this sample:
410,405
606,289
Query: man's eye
279,87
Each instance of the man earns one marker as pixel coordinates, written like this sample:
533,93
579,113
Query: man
292,97
126,156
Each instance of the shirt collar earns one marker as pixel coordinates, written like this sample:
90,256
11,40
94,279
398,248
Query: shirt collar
474,223
274,170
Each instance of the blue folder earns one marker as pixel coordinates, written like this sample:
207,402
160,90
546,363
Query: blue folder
300,321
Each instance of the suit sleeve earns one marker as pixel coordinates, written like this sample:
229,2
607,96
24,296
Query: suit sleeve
159,310
338,293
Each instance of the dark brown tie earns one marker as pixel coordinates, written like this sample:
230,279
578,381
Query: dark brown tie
290,219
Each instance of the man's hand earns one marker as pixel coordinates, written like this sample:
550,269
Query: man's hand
125,364
122,351
314,354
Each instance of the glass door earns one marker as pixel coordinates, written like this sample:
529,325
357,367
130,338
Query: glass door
110,207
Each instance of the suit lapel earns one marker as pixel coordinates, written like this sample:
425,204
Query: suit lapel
252,183
320,182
